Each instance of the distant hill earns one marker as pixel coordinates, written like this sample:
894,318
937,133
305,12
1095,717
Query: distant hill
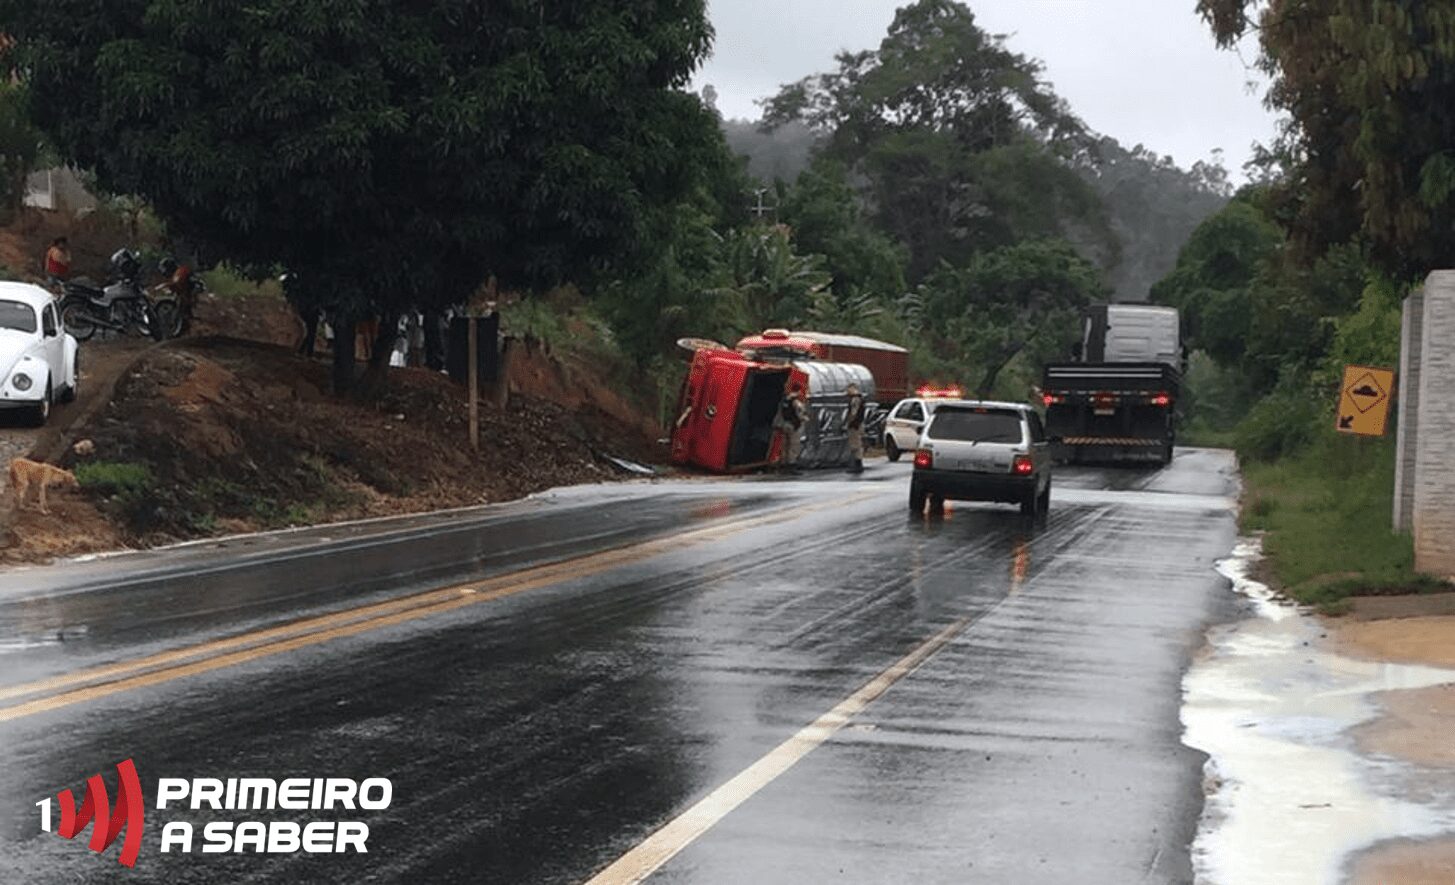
1153,206
780,154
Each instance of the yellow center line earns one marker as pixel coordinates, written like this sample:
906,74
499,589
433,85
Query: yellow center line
204,657
660,847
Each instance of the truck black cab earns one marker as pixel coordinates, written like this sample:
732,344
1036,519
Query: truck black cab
1118,401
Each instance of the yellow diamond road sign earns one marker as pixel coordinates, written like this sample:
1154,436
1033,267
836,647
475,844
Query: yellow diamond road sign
1364,400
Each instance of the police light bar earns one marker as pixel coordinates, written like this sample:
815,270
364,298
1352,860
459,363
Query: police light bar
939,393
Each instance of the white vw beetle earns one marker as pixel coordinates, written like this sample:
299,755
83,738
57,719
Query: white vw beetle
37,357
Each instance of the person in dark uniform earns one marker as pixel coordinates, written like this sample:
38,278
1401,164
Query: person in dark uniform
792,415
854,424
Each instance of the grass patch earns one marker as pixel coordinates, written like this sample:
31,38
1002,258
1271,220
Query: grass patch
1203,436
224,282
114,477
1325,515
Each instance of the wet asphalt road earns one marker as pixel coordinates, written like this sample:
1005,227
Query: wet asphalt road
538,721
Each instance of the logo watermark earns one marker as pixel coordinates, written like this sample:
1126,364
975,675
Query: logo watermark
341,799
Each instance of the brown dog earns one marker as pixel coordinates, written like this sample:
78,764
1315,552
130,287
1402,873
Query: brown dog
25,473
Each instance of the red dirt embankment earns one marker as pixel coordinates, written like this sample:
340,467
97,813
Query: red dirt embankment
215,435
231,431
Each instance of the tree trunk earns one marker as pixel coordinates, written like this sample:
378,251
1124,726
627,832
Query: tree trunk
311,317
992,374
434,340
380,350
344,328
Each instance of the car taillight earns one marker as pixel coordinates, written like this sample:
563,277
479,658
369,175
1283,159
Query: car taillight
924,459
1052,399
1162,399
1023,466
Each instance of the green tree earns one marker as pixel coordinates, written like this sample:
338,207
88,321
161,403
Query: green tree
1011,302
828,219
1252,305
962,146
1214,280
1152,207
20,146
393,155
1369,88
776,284
936,70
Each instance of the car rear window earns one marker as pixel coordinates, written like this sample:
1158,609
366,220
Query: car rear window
17,315
977,425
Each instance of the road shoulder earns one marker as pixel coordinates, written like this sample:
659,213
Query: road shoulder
1413,725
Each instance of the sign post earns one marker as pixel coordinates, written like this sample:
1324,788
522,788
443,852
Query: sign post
473,352
482,303
1364,400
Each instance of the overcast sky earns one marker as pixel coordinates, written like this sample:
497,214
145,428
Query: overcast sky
1141,71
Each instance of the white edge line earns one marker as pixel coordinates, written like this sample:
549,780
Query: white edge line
649,855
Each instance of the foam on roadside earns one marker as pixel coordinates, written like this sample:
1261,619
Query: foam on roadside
1289,798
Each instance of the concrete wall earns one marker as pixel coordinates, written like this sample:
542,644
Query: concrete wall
1408,402
59,190
1433,429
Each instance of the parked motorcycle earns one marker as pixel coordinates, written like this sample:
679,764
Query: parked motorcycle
123,306
175,298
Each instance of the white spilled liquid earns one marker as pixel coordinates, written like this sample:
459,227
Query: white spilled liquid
1289,799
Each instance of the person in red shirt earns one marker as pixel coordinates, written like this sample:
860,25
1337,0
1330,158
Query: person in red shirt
58,259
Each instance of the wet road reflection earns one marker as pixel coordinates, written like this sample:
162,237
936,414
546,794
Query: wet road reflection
543,735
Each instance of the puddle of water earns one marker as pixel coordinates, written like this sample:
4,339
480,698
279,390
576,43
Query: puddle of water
1289,799
22,643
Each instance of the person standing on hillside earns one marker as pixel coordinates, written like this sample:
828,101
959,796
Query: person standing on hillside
58,259
854,424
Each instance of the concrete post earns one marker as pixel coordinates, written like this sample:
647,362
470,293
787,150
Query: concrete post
1434,485
1410,340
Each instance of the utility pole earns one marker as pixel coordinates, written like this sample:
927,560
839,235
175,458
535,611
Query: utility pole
482,303
761,209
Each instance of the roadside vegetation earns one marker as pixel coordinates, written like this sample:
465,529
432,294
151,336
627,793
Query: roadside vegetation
1304,272
971,229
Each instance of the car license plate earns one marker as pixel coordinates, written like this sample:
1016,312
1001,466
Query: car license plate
1103,411
978,465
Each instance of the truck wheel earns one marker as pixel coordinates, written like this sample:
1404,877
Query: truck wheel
1165,457
917,498
891,448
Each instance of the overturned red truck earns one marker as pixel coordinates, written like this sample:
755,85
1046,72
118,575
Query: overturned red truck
730,397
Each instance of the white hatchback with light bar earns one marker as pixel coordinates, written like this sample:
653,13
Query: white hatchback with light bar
909,416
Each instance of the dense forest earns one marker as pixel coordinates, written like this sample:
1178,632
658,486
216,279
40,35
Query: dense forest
1304,272
933,190
961,209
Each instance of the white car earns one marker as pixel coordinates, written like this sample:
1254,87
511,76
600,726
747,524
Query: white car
983,451
906,422
37,357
